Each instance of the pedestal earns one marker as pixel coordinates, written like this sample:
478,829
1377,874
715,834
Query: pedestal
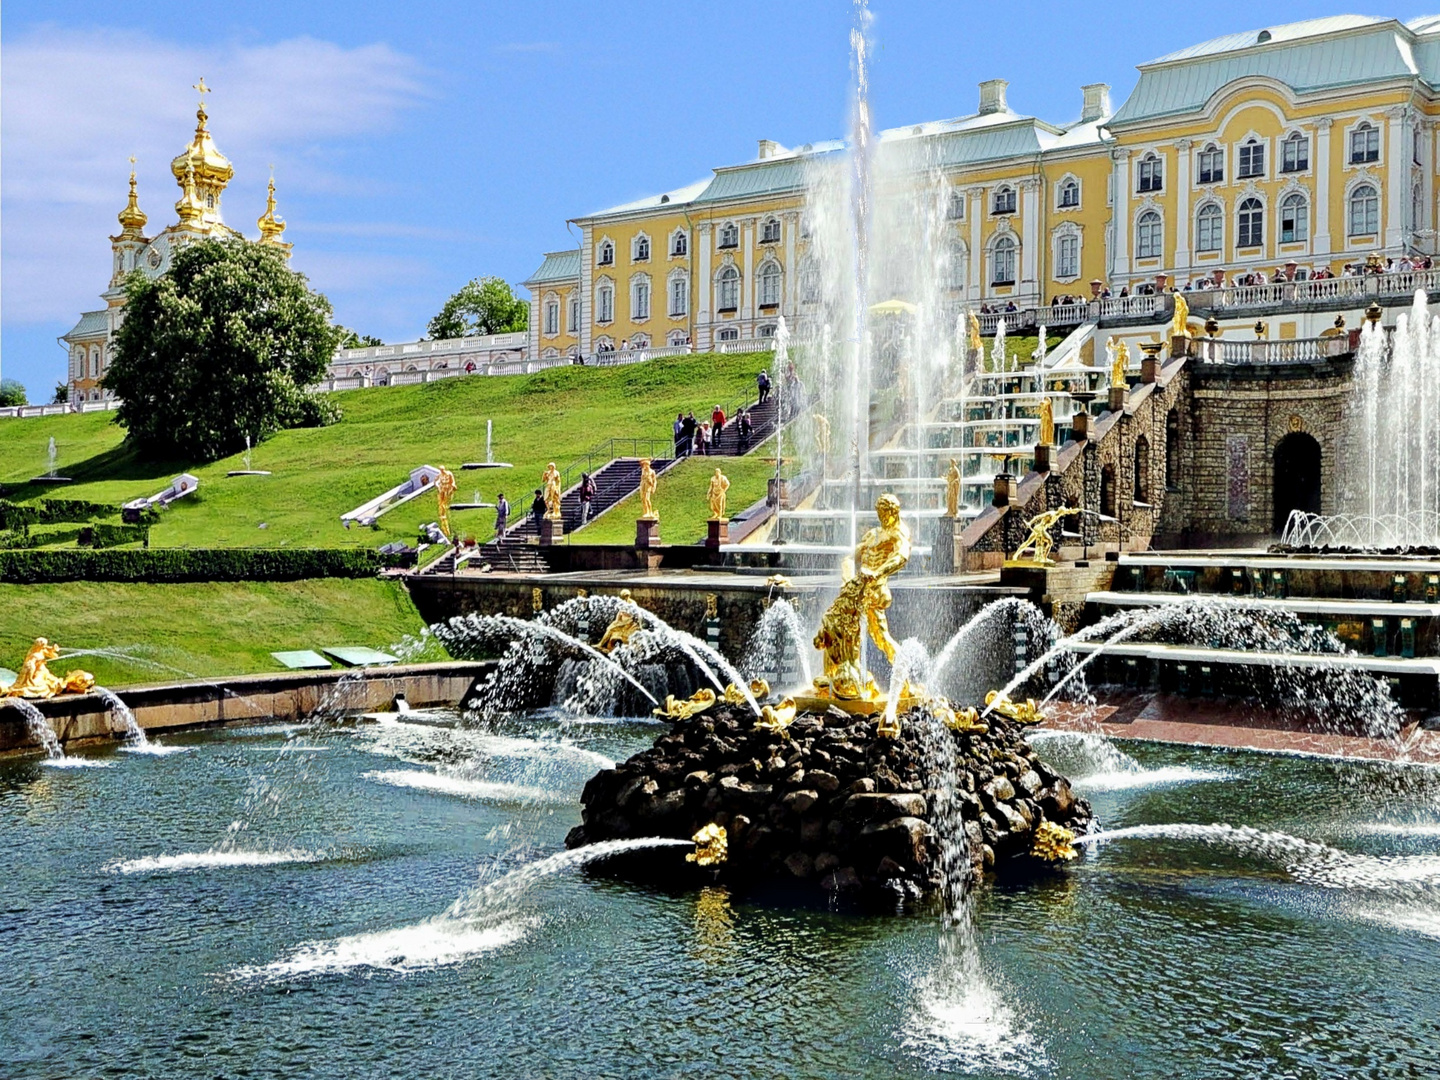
1080,426
647,533
1043,453
1004,490
719,533
1117,398
1179,345
942,552
1149,369
552,531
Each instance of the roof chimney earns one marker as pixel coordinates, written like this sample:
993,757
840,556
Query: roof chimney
1097,101
769,148
992,95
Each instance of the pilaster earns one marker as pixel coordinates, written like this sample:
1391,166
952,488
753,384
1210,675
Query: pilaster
1183,159
1322,165
1120,214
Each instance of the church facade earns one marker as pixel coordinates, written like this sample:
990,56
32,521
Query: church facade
202,173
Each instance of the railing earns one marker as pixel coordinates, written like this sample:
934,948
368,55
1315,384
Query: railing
1291,351
744,345
1339,288
1253,295
24,412
1063,314
442,347
607,451
1123,307
1405,282
616,357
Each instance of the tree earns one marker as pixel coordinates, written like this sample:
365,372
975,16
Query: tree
12,393
62,394
220,347
486,305
349,339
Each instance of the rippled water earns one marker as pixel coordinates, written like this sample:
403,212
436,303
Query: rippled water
325,939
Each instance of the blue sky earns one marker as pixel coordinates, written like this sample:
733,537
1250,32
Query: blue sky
418,145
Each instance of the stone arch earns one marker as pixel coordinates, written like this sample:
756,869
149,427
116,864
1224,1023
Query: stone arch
1107,491
1142,470
1295,477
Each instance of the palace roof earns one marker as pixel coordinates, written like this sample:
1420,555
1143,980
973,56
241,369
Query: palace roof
558,266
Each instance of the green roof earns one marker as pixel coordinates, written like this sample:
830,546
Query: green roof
770,177
90,324
558,266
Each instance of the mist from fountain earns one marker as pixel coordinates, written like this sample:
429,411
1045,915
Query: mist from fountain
39,728
767,650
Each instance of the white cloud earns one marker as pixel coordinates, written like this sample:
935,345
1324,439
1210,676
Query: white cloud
76,104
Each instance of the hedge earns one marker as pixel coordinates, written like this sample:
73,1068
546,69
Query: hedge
51,512
170,565
108,536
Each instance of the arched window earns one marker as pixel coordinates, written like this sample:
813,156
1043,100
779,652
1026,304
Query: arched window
1004,200
729,333
770,231
640,249
1252,159
640,298
574,321
640,341
1364,143
1364,216
1251,230
1069,193
1002,260
1151,173
1209,228
1172,450
678,337
1295,153
679,243
729,235
728,292
679,296
1294,219
955,260
770,279
1142,470
552,316
605,303
1067,256
1211,168
955,206
607,254
1107,491
809,282
1149,236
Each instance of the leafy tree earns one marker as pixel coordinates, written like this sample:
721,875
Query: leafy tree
12,392
486,305
349,339
62,394
220,347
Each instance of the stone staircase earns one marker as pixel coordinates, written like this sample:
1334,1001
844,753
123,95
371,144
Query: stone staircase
763,417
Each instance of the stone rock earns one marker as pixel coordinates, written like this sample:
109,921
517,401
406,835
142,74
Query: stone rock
866,806
1057,800
863,786
824,862
903,839
800,801
842,879
800,865
812,831
824,781
663,805
1029,782
1000,789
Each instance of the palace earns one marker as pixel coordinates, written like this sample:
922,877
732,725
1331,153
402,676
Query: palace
1303,148
202,173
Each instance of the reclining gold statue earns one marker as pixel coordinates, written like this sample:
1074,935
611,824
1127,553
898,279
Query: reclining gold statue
35,681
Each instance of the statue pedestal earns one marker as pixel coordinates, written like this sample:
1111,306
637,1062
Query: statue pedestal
942,552
718,533
551,531
1042,457
1117,398
647,533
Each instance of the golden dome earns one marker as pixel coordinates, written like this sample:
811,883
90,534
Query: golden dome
189,208
132,218
211,169
271,227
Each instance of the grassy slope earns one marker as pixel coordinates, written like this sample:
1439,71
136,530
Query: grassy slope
206,629
387,431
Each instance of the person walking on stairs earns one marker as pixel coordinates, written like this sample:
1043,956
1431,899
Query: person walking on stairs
502,516
587,495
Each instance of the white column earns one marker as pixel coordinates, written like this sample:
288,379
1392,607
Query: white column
1321,164
1183,159
747,271
975,287
704,290
587,290
1120,217
1397,170
790,297
1427,190
1030,239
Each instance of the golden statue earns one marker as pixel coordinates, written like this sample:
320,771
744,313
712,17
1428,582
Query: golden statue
444,492
719,485
1039,539
1053,843
684,708
776,718
1046,436
550,485
976,345
1180,324
1121,352
952,490
1022,712
778,581
759,688
861,604
623,627
822,434
711,846
35,680
648,483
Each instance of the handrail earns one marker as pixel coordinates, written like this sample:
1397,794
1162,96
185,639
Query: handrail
606,452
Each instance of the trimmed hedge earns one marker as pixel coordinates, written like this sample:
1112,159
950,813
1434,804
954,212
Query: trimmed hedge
52,512
172,565
108,536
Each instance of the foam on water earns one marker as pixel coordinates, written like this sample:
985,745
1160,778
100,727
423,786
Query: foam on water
154,749
1415,918
463,786
75,763
1127,780
212,860
398,738
1401,828
1094,764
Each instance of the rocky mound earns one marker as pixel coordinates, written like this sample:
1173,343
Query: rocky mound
827,802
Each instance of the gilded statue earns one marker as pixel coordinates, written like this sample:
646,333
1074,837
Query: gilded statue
863,600
776,718
719,485
976,345
822,434
648,482
622,627
1121,352
444,492
1046,436
1180,323
35,680
684,708
952,490
550,486
1053,843
1039,539
759,688
1022,712
711,846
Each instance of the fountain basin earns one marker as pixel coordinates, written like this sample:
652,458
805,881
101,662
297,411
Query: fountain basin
248,472
50,480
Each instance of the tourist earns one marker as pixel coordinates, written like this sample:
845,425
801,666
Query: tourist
702,439
687,433
679,429
762,381
502,516
587,495
537,508
717,418
746,429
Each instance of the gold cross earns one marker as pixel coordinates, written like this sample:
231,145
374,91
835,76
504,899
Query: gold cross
200,86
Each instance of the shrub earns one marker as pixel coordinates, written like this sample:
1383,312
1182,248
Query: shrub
170,565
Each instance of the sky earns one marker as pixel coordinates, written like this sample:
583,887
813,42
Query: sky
418,145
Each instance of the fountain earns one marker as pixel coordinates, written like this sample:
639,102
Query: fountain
489,462
248,470
52,475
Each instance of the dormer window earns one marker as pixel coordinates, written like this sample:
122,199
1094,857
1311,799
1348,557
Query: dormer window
640,249
770,231
1069,193
1151,173
1212,165
1004,200
607,254
729,235
1364,143
1252,159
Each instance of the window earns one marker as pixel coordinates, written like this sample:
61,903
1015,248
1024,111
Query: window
1252,159
640,299
770,231
1212,165
679,244
1364,217
1002,259
809,282
605,304
574,325
765,332
729,334
1209,228
1364,143
1152,173
1107,491
770,285
955,206
640,249
1294,219
1067,257
729,235
1295,153
1069,193
679,337
552,318
1004,202
729,293
607,253
1149,236
1252,224
955,263
679,296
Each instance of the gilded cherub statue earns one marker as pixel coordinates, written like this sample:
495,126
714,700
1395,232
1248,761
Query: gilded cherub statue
1121,362
444,492
952,490
976,345
719,485
822,434
623,627
1039,539
648,482
35,681
550,485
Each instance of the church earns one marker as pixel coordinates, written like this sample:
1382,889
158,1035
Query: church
202,172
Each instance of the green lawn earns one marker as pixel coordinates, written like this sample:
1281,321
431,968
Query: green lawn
319,474
1020,347
680,498
204,630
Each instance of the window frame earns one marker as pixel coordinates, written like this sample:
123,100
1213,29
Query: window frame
679,290
1210,172
640,299
955,206
1367,155
1150,174
1295,146
1210,216
1003,245
1250,223
770,281
640,248
605,303
1372,213
1299,221
1064,241
1149,235
552,316
1003,200
728,230
1068,186
727,280
679,244
1250,160
605,253
771,231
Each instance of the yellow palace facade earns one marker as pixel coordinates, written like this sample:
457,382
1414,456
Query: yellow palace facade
1304,147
